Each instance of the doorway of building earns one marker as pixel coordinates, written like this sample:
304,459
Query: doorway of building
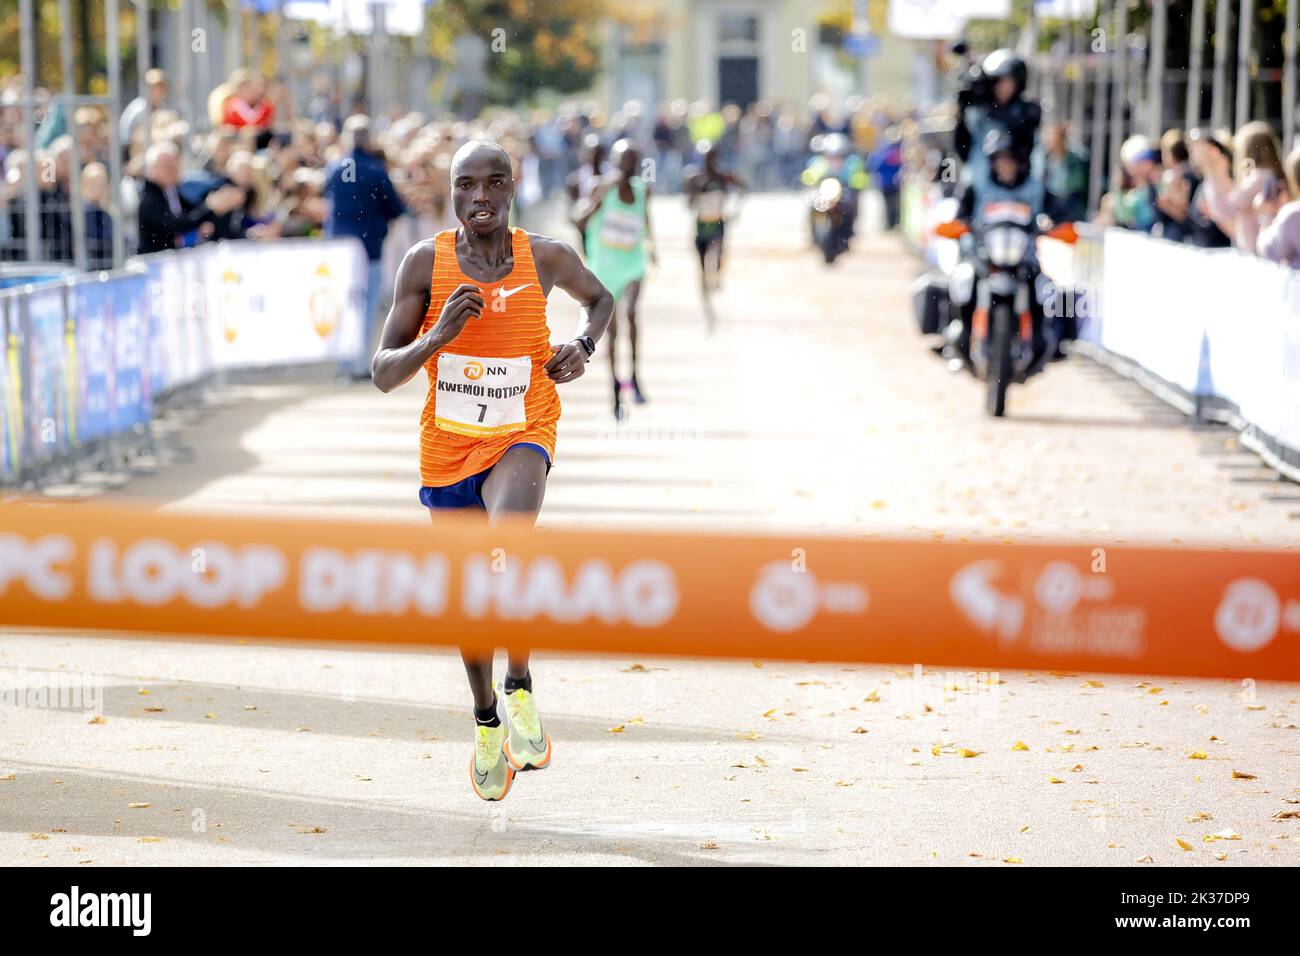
738,52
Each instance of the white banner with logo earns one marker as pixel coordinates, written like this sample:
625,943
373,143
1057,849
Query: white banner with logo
236,305
285,303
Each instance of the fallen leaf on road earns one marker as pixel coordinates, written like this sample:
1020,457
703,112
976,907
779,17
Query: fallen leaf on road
1287,815
1092,683
969,753
1199,816
1055,780
842,783
1012,859
137,806
97,720
860,730
150,840
1144,859
155,710
708,846
1221,835
8,776
38,836
1019,745
1076,768
1242,775
751,735
615,730
1198,755
1220,857
799,769
143,692
1182,843
872,698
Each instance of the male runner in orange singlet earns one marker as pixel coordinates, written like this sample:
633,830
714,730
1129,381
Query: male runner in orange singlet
470,309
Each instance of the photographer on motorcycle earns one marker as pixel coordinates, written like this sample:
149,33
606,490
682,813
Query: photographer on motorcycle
1006,193
993,97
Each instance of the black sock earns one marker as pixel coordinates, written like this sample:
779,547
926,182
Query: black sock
514,683
487,717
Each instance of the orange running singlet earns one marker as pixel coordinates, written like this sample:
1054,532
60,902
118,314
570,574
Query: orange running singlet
488,388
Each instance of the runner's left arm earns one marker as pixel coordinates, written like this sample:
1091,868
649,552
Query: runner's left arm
558,263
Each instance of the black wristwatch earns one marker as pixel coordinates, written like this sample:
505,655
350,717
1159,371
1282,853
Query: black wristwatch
587,343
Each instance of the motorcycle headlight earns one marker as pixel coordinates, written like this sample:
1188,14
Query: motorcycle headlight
829,193
1006,247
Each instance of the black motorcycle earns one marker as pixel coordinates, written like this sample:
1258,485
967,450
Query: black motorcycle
829,217
999,346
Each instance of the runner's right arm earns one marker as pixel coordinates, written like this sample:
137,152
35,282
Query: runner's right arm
402,349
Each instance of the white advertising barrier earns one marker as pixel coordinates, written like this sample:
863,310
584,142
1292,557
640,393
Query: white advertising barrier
284,304
1215,323
247,305
1157,299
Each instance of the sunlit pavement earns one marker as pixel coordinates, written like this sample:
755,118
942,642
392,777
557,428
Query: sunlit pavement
815,407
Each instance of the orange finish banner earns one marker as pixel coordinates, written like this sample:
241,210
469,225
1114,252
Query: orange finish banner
1181,611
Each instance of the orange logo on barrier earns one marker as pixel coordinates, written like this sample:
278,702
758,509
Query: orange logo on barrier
230,305
473,371
1026,606
323,307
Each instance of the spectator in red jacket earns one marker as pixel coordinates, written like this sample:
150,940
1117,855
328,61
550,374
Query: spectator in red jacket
248,105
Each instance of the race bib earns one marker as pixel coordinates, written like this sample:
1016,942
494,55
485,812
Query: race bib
481,396
710,205
620,229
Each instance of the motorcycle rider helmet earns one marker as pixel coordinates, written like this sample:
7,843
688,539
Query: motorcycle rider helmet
997,140
999,144
1005,62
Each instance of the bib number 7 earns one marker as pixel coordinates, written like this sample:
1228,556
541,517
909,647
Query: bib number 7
480,396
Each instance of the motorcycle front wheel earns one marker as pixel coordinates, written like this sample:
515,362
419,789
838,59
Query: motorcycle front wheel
999,353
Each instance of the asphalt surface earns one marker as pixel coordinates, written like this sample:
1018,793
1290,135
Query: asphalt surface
813,406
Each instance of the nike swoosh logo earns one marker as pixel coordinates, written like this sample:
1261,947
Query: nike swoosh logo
481,781
507,293
537,744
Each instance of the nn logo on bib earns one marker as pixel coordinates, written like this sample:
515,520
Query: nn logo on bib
476,370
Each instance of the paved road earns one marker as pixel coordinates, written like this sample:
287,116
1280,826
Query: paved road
812,407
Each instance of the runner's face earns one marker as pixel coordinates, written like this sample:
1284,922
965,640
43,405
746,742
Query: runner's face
482,189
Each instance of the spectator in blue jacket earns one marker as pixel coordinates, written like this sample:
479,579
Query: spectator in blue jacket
362,203
886,164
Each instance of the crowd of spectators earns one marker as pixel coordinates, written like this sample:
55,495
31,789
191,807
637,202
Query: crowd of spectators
1211,189
257,166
